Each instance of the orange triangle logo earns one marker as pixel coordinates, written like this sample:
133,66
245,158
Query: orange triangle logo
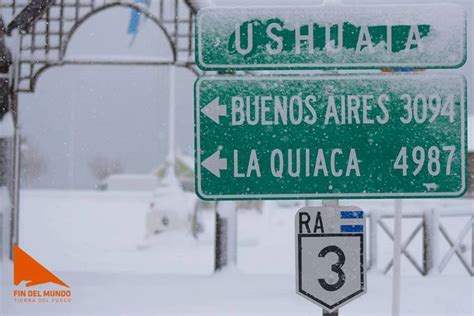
25,268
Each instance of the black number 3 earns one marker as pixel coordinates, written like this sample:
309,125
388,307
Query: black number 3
335,268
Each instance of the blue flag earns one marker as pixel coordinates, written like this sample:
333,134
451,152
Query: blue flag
134,20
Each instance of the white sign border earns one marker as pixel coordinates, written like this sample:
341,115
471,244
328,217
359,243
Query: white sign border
363,268
197,105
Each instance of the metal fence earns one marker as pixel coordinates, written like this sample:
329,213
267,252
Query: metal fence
433,229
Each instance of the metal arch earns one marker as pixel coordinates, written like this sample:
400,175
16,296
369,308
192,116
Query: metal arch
39,72
97,10
47,40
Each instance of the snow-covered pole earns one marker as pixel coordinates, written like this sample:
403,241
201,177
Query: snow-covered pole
7,131
172,120
15,78
397,250
226,235
430,242
170,175
15,221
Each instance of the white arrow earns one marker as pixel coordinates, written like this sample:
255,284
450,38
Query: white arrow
215,164
214,110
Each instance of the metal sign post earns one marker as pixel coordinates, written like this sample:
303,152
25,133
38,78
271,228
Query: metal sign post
226,235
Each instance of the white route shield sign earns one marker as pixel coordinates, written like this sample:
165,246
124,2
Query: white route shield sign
330,255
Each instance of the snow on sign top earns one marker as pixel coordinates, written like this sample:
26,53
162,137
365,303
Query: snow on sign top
331,36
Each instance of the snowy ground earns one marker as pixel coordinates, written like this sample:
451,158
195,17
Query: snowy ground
91,240
243,294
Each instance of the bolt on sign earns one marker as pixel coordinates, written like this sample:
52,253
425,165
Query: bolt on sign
345,136
328,37
330,255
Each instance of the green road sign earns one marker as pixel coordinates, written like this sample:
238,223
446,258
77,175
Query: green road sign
331,36
361,136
